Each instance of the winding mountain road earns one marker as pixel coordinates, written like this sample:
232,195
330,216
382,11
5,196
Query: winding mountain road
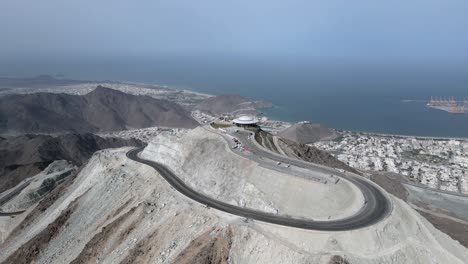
376,208
4,199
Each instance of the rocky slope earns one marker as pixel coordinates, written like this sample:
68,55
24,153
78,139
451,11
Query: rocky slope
205,161
24,156
140,219
306,132
299,151
103,109
233,104
436,207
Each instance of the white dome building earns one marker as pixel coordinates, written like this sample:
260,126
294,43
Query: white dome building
245,121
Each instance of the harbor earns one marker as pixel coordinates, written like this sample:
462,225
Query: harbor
449,105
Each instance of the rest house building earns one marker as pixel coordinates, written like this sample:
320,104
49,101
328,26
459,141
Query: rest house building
245,121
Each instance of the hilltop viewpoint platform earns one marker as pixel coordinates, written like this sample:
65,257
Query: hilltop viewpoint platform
245,121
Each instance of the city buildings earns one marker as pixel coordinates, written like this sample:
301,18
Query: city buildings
437,163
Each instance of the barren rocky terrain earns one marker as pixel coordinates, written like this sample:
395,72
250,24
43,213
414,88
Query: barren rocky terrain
115,210
24,156
102,109
139,219
204,160
447,212
300,151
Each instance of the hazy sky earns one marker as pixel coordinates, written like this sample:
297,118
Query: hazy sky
358,28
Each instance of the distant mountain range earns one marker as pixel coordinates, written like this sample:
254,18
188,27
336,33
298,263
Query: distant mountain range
103,109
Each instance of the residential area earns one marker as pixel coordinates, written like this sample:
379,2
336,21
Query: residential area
437,163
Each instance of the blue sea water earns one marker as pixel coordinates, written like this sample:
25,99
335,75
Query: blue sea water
367,96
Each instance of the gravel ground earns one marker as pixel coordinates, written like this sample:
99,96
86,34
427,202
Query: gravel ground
165,227
207,163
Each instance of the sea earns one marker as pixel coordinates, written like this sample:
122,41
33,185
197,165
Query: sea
374,96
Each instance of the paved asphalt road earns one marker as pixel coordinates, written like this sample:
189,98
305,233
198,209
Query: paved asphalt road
12,194
377,204
376,208
10,213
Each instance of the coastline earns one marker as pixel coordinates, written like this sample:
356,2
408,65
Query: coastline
376,134
263,113
159,86
400,136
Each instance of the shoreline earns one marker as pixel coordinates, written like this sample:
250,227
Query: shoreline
157,86
377,133
400,136
338,130
191,91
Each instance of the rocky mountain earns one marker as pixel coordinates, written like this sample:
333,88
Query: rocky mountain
103,109
116,210
24,156
312,154
306,132
233,104
300,151
446,211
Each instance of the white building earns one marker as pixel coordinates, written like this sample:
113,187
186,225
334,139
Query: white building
245,121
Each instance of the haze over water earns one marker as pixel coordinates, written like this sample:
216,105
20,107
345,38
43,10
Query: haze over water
349,95
346,64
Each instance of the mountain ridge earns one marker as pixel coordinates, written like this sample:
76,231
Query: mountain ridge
103,109
24,156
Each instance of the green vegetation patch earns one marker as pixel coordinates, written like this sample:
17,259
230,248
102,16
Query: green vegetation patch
218,125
